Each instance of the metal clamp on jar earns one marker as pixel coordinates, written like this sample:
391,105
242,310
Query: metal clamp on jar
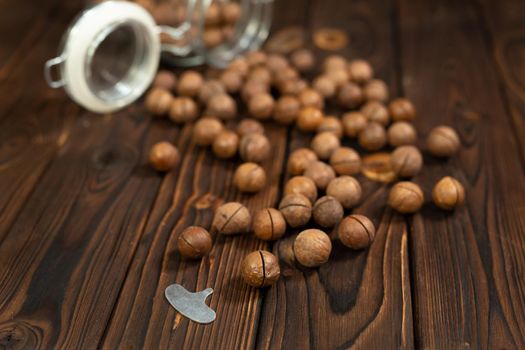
110,54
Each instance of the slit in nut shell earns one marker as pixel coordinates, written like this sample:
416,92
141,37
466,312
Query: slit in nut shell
330,39
377,167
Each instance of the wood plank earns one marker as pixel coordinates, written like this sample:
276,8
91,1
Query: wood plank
142,317
358,299
34,120
504,32
65,256
468,291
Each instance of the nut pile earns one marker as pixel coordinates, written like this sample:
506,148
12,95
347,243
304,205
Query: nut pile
321,186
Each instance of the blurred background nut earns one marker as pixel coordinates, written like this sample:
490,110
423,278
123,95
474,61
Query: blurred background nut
163,156
406,161
158,101
331,124
225,144
448,193
406,197
222,106
346,189
401,133
183,110
206,130
311,98
299,160
350,96
209,89
190,83
254,147
250,178
302,185
324,144
249,126
261,106
345,161
375,111
443,141
286,110
360,71
353,123
309,119
296,209
165,80
376,90
321,173
373,137
401,109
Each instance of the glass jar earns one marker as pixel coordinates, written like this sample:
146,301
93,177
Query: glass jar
110,54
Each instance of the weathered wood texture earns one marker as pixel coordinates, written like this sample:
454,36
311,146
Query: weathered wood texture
88,231
466,265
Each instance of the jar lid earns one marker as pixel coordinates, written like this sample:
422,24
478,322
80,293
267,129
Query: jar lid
108,57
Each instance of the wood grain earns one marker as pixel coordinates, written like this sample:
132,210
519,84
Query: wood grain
357,295
34,120
88,232
503,26
467,293
142,317
66,254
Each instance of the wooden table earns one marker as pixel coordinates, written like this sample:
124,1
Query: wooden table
88,231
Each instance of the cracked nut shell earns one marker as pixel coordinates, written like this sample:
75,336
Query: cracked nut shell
260,269
254,147
373,137
249,177
448,193
206,130
158,101
194,242
164,156
346,189
356,231
406,197
443,141
312,248
406,161
324,144
345,161
302,185
269,224
299,160
231,218
225,144
249,126
402,109
296,209
327,211
321,173
401,133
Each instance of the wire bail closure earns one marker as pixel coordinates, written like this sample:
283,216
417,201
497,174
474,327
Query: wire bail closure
57,61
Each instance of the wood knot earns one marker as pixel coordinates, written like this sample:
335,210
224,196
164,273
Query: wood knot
19,335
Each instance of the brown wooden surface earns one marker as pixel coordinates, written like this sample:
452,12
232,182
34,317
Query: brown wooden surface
88,230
